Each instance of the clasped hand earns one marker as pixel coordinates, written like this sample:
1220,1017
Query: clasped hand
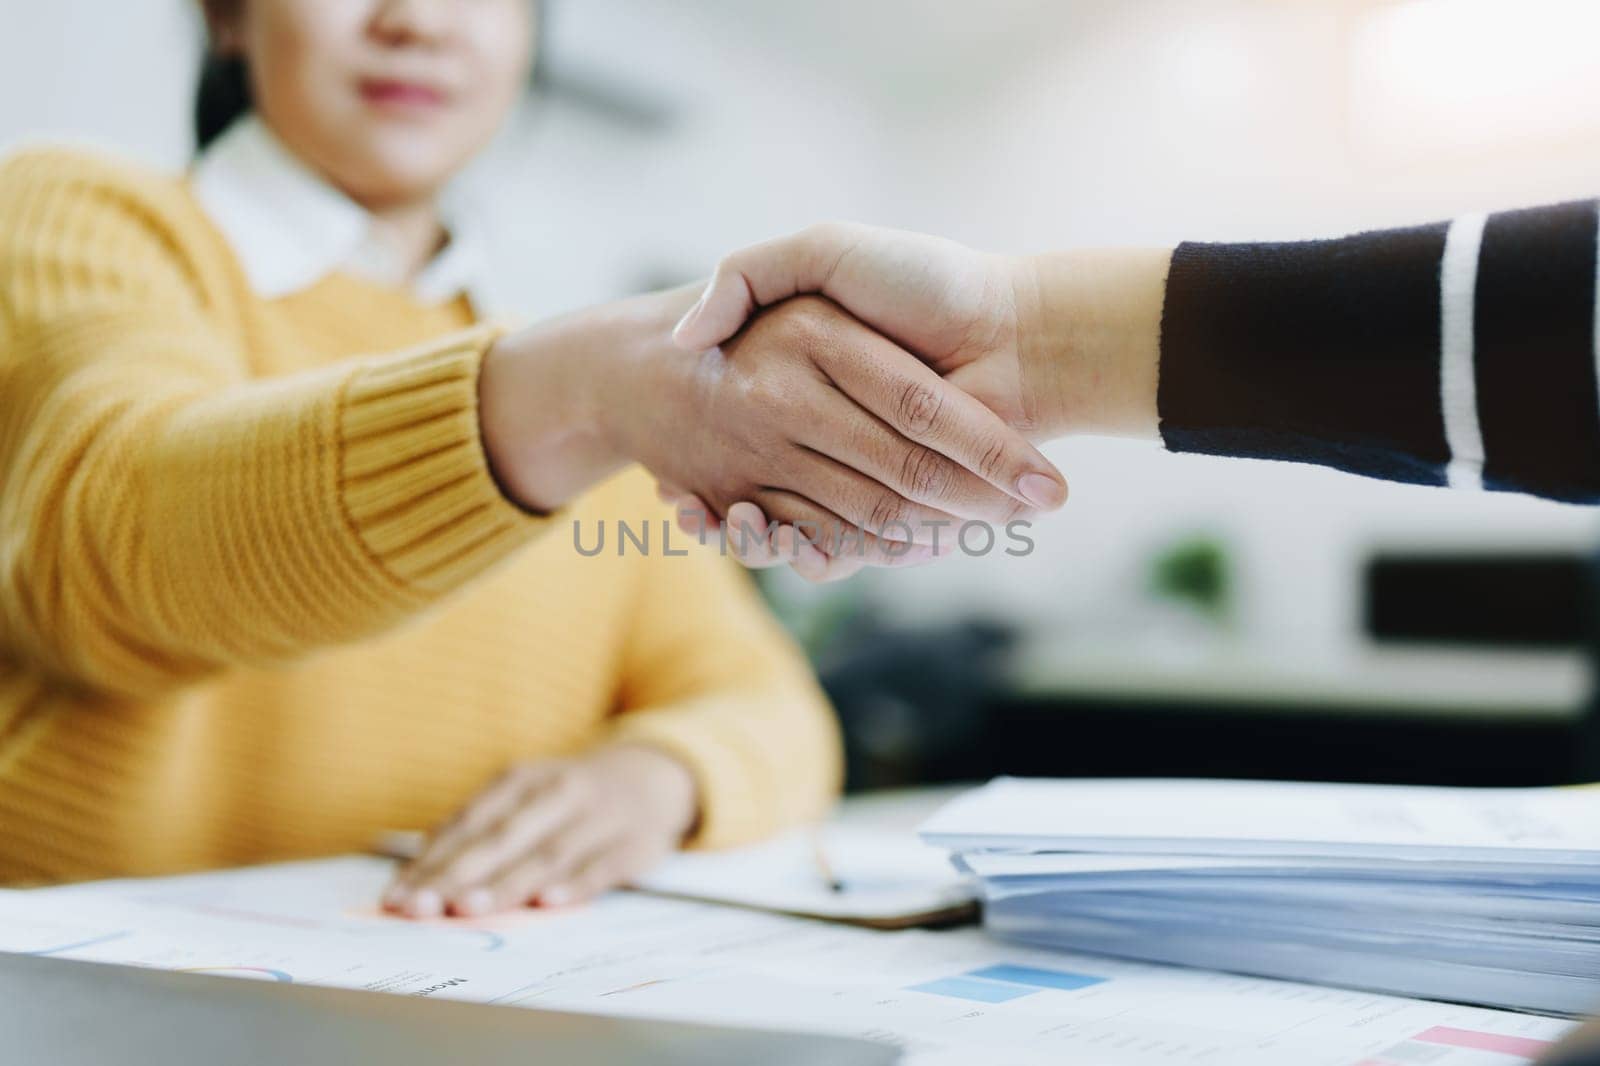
868,441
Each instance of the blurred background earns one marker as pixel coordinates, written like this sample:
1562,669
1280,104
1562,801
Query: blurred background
1181,615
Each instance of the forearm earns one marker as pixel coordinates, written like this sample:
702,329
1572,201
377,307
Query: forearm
208,523
167,523
1090,340
1458,353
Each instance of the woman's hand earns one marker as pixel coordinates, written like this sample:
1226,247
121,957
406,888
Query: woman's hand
957,310
818,420
1055,344
552,832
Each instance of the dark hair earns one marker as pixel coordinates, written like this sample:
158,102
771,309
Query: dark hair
223,95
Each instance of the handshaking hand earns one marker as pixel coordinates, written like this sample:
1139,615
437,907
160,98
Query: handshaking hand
1051,344
821,422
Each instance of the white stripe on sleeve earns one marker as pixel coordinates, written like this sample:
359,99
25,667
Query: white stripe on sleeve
1597,306
1458,386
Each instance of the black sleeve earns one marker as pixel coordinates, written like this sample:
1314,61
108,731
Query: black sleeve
1461,353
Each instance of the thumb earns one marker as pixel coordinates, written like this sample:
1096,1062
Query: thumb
760,275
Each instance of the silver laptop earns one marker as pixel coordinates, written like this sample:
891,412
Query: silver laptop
68,1013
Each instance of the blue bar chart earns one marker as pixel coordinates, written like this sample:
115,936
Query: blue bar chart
1005,982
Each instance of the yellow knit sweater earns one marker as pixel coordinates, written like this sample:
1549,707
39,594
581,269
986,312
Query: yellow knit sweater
259,596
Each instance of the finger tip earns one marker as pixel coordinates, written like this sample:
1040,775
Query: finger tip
1042,490
745,513
425,904
473,904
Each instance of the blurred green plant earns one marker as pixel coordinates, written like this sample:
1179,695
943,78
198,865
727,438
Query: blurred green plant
1196,570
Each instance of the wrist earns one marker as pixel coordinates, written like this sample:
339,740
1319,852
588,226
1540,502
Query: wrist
1089,339
559,404
536,413
665,784
640,370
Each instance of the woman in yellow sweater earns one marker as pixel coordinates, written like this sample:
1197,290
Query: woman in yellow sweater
287,539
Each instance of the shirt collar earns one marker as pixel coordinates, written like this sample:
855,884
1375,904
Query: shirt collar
290,228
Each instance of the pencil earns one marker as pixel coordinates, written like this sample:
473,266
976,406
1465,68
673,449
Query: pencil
823,866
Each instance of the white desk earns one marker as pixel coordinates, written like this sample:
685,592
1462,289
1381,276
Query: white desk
631,954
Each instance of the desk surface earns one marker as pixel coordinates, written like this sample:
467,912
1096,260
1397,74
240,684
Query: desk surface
950,998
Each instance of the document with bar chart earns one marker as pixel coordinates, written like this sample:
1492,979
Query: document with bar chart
947,997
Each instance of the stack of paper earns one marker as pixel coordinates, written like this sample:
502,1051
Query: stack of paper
1487,896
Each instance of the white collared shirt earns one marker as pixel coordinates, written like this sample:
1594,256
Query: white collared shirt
290,228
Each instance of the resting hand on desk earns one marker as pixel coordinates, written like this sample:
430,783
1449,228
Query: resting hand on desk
552,832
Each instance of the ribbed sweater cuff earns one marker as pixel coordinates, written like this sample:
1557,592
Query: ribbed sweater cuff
413,477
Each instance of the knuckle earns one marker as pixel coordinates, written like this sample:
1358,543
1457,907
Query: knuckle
918,408
926,474
887,510
560,854
894,556
454,872
798,322
822,235
992,461
786,327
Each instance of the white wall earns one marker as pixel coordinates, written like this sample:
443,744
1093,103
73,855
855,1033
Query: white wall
113,72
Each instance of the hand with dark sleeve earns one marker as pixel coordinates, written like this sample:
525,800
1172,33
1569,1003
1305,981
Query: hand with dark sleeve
1460,353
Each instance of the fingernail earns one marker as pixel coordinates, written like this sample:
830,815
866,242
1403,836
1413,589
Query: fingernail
1041,491
559,896
392,897
426,904
476,902
690,316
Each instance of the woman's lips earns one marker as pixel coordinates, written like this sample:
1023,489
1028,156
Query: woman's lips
394,94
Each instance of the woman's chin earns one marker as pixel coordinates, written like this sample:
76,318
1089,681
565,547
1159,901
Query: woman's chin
388,174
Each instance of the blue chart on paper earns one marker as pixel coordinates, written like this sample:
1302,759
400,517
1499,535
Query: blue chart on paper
999,984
